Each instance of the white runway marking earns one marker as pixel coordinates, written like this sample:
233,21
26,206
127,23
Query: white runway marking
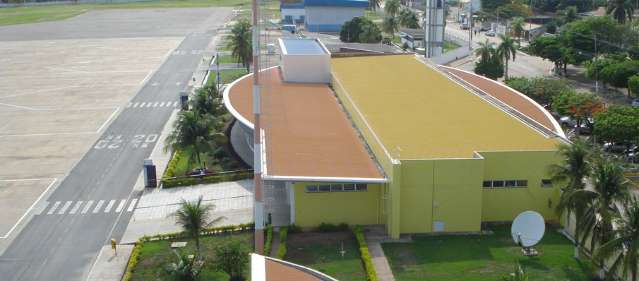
156,104
175,104
142,104
76,207
65,207
55,206
98,206
132,205
87,207
109,206
129,105
30,208
135,104
18,106
39,212
120,206
108,119
162,104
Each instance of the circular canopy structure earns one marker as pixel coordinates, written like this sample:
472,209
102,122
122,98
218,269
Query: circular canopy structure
528,228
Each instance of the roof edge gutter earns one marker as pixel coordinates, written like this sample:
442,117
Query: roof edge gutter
325,179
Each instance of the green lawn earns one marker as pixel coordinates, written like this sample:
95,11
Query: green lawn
32,14
479,258
155,256
217,162
450,45
227,75
321,251
227,59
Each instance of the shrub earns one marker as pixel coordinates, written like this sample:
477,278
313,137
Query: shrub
269,240
360,29
133,259
222,177
170,168
293,228
329,227
281,251
371,275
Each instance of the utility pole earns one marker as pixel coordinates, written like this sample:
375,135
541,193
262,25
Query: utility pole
596,68
470,25
258,204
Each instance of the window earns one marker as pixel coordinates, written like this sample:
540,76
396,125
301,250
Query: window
487,184
546,183
361,187
324,187
311,188
349,187
498,183
522,183
336,187
511,183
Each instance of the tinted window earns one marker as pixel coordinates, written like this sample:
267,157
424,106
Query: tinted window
487,184
361,187
546,183
511,183
522,183
498,183
311,188
336,187
349,187
325,187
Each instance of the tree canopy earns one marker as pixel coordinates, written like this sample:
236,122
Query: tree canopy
541,90
579,106
360,29
618,124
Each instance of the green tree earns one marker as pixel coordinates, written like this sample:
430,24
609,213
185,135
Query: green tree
569,14
391,8
360,29
513,9
232,258
595,66
542,89
489,63
506,50
207,100
617,124
633,86
624,247
594,35
552,49
570,174
185,268
579,106
193,217
408,18
374,4
370,33
195,132
390,25
240,42
609,190
621,10
617,74
517,26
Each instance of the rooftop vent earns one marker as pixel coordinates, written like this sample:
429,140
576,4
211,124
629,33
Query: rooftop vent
305,61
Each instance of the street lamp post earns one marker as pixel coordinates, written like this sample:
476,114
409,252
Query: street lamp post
258,204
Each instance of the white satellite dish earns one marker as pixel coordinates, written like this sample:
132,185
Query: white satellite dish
528,228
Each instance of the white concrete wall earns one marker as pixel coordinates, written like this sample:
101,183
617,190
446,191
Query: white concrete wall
306,68
332,15
296,14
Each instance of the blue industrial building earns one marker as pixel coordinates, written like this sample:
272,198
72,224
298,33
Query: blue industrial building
323,15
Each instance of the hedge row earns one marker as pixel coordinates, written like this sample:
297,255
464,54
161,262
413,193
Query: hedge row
269,241
170,168
193,180
135,254
281,251
365,255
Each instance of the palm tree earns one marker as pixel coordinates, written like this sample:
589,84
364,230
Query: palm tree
507,49
408,19
195,132
240,42
207,100
391,8
609,189
185,268
518,275
390,26
485,50
620,10
517,26
374,4
194,217
624,247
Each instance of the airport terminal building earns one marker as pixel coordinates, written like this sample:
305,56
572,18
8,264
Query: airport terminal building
394,141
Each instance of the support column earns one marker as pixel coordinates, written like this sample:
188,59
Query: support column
258,206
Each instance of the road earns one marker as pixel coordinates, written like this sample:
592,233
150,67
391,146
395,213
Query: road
63,247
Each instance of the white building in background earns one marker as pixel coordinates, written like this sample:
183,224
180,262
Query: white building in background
466,4
292,13
330,15
434,28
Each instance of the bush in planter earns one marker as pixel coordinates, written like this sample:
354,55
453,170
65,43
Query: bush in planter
329,227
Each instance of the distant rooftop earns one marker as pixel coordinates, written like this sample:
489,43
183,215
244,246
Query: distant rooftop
420,113
296,46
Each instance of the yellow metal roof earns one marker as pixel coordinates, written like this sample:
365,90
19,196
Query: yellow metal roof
418,113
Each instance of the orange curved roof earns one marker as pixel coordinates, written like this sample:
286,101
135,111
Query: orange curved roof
306,132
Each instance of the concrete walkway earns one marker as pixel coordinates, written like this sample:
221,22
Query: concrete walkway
110,267
374,237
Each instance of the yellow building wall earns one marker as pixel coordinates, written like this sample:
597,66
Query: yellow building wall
416,209
351,207
504,204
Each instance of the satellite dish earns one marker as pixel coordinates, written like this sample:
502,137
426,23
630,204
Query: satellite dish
528,228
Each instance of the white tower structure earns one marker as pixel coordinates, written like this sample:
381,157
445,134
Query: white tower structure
434,28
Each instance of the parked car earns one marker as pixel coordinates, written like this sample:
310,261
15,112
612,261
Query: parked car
490,33
635,103
615,147
568,122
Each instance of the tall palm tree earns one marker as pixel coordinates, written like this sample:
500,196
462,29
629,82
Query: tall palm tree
390,26
391,8
207,100
240,42
517,26
507,50
609,190
408,18
624,247
193,217
195,132
374,4
570,174
620,10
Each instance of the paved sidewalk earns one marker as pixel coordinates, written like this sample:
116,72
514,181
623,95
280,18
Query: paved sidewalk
110,267
374,238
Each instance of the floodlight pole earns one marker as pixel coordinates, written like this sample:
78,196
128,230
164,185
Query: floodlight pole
258,204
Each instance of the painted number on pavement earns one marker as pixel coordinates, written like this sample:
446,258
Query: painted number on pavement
116,141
